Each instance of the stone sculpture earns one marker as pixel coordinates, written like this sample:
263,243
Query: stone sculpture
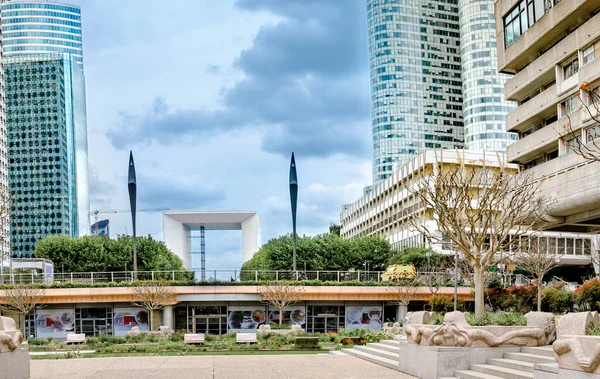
456,332
579,353
10,337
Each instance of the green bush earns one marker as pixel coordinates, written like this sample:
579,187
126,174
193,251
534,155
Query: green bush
436,319
441,304
588,295
38,341
497,318
367,334
556,299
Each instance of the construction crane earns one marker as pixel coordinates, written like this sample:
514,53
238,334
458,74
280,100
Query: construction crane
96,213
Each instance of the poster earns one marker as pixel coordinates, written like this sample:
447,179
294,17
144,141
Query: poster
364,317
291,316
54,323
126,318
245,319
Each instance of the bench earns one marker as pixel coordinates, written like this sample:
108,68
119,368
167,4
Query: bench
193,338
314,341
75,338
245,337
352,341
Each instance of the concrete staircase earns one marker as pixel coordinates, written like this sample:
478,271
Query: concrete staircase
512,366
384,353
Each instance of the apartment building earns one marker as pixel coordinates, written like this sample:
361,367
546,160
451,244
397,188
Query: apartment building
552,48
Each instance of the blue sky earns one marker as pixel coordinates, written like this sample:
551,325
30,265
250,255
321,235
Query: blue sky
213,96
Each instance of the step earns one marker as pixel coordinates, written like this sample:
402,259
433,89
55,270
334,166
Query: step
385,362
531,358
337,352
511,363
391,343
469,374
379,352
502,372
384,346
540,350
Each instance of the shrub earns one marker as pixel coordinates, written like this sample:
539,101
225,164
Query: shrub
588,294
367,334
556,299
436,319
498,318
38,341
441,304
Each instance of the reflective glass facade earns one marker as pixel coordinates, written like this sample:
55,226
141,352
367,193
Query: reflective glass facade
4,216
484,107
40,26
415,64
47,148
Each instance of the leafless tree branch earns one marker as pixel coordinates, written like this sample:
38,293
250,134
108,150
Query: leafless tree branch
280,295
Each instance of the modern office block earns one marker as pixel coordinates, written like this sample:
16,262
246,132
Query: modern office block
416,101
552,48
484,106
4,222
47,148
38,26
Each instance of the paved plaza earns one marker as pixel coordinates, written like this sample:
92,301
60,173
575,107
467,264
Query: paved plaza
218,367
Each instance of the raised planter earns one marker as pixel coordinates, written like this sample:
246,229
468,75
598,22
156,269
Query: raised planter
14,361
578,353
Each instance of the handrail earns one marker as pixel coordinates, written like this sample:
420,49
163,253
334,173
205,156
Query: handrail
31,277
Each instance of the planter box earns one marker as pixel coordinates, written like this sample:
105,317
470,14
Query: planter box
578,353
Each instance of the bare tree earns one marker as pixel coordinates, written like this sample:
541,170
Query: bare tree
537,256
404,291
476,206
280,295
21,299
584,142
153,296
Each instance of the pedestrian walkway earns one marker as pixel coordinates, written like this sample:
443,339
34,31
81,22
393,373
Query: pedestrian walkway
215,367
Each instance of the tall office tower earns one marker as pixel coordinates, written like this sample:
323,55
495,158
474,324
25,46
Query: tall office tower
38,26
553,50
416,103
46,121
4,216
484,106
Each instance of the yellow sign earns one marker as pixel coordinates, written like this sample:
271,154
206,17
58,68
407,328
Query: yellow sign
395,272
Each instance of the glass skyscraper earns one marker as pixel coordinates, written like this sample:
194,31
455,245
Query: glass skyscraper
32,27
416,102
434,80
46,122
484,107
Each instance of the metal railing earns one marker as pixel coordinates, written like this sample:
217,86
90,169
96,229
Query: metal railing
221,276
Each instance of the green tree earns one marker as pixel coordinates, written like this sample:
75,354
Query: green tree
335,229
322,252
100,253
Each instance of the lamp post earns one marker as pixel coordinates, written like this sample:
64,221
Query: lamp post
132,187
294,203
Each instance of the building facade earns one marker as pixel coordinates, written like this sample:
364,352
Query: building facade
47,148
414,58
484,106
101,228
38,26
552,48
387,209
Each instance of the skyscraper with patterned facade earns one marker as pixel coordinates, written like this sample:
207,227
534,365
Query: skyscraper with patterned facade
434,82
46,122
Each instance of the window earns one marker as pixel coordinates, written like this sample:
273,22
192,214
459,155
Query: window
569,105
571,68
522,17
593,132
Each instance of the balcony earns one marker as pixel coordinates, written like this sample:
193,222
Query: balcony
563,17
540,142
535,110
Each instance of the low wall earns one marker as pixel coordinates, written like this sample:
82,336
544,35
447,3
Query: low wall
14,365
432,362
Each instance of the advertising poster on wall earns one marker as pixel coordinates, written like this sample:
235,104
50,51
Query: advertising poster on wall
245,319
295,315
368,317
54,323
126,318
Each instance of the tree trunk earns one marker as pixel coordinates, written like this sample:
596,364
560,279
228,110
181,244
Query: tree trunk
150,316
479,302
280,317
539,297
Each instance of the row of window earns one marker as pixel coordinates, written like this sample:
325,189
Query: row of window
43,13
6,36
43,20
56,7
6,29
40,41
523,16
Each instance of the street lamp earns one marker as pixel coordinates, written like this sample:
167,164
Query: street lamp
455,280
132,187
294,203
